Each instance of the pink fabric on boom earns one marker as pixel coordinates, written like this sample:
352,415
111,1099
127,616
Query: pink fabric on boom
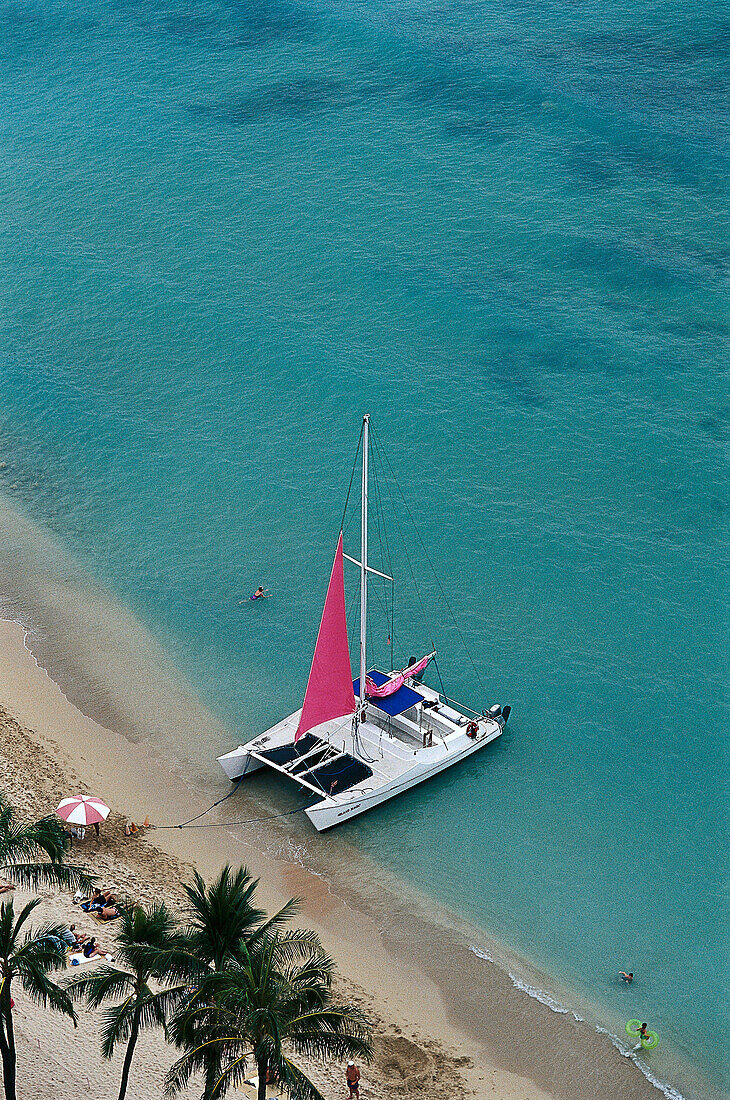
391,686
329,691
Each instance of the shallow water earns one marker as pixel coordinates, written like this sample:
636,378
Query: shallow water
228,230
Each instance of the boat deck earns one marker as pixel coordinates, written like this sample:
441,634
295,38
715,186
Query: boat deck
384,748
350,768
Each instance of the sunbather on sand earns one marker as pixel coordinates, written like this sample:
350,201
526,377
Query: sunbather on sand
73,938
100,899
109,912
97,898
91,949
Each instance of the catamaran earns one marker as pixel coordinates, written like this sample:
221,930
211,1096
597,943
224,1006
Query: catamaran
357,743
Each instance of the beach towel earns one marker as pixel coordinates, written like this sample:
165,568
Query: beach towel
79,959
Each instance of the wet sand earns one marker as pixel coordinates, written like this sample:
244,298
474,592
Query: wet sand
448,1024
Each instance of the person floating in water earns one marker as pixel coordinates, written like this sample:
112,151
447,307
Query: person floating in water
626,977
643,1034
261,593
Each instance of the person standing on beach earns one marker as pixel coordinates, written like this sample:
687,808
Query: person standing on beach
352,1076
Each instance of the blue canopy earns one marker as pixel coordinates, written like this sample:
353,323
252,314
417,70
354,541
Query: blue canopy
402,699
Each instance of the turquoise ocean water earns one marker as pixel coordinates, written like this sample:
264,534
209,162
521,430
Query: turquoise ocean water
228,229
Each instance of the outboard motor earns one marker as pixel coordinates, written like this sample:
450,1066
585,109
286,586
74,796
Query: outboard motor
499,714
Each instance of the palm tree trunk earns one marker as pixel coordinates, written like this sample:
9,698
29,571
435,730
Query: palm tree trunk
7,1044
133,1036
210,1078
263,1068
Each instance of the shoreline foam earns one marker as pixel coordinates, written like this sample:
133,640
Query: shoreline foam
303,863
402,981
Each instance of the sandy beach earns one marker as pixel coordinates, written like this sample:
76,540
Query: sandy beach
39,728
434,1037
441,285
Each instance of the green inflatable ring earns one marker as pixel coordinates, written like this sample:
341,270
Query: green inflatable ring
651,1040
633,1027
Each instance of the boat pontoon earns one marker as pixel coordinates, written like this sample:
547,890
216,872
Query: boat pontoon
355,744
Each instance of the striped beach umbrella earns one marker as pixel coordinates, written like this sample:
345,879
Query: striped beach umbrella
83,809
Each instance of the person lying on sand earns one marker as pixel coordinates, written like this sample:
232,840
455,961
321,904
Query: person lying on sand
5,886
109,912
72,937
97,898
99,901
91,949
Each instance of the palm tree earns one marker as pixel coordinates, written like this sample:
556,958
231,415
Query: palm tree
22,845
223,915
276,998
142,934
222,919
29,958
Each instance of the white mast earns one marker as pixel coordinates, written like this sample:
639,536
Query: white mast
364,556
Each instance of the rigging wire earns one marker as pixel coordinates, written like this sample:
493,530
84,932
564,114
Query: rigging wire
441,679
430,563
190,823
376,443
352,476
379,456
385,554
190,820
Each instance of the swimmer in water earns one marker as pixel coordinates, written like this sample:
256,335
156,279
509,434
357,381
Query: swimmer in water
260,594
643,1034
626,977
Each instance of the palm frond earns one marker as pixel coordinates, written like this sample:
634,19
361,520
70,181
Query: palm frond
115,1026
298,1085
170,1000
41,989
31,876
151,1009
234,1073
222,914
175,962
200,1056
179,1074
47,835
287,912
10,920
103,984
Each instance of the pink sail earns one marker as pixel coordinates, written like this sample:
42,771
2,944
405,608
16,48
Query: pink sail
397,681
329,688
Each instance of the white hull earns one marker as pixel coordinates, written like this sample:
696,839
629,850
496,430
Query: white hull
238,763
401,734
324,816
390,750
